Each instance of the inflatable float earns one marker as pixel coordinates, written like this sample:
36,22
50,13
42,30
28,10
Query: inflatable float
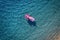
28,17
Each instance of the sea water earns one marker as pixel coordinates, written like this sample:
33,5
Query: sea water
14,26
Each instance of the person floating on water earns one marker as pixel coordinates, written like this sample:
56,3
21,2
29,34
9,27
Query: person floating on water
28,17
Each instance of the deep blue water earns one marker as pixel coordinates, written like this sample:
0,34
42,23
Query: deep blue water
13,25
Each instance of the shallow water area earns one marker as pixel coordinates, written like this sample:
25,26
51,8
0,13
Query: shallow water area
14,26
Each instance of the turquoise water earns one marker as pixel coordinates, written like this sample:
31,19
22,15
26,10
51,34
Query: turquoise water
13,25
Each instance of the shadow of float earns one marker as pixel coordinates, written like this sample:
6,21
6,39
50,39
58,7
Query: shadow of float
31,23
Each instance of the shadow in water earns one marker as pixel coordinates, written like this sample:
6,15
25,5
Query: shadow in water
31,23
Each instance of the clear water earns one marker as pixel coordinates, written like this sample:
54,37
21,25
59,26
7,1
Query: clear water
13,25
